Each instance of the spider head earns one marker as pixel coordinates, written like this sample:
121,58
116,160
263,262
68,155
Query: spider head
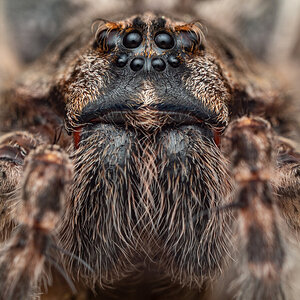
143,100
146,72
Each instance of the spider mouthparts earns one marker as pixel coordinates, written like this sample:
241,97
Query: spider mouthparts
147,120
140,116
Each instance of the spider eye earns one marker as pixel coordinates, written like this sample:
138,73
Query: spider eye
158,64
164,40
137,64
188,40
132,39
106,40
122,60
174,61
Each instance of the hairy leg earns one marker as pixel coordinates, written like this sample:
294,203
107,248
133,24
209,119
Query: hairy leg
287,183
14,147
249,143
46,177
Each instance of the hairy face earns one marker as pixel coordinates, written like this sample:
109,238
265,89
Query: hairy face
145,102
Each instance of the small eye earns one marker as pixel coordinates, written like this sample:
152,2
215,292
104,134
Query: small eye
188,40
164,40
122,60
174,61
107,40
137,64
158,64
132,39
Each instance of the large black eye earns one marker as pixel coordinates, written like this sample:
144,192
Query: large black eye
106,39
188,40
164,40
132,39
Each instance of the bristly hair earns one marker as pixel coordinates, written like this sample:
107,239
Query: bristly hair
138,199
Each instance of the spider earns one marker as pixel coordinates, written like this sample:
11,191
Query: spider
151,157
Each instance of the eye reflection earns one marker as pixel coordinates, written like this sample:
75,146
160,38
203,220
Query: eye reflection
107,40
164,40
122,60
137,64
132,39
188,40
174,61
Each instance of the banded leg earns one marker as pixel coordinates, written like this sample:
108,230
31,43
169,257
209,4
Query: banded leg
47,174
249,143
14,147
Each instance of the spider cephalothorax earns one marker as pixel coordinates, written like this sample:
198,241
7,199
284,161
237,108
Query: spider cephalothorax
140,135
162,153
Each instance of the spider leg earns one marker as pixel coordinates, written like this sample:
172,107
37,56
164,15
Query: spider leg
47,175
249,143
14,147
287,183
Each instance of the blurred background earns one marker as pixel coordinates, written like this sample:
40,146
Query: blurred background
269,28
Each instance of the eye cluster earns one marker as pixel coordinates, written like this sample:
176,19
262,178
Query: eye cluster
168,45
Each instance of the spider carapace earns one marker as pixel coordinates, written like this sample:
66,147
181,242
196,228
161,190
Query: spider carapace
147,158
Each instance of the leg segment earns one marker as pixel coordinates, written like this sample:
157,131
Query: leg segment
249,143
14,147
47,174
287,183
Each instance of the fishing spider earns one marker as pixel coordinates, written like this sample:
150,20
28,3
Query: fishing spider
142,159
